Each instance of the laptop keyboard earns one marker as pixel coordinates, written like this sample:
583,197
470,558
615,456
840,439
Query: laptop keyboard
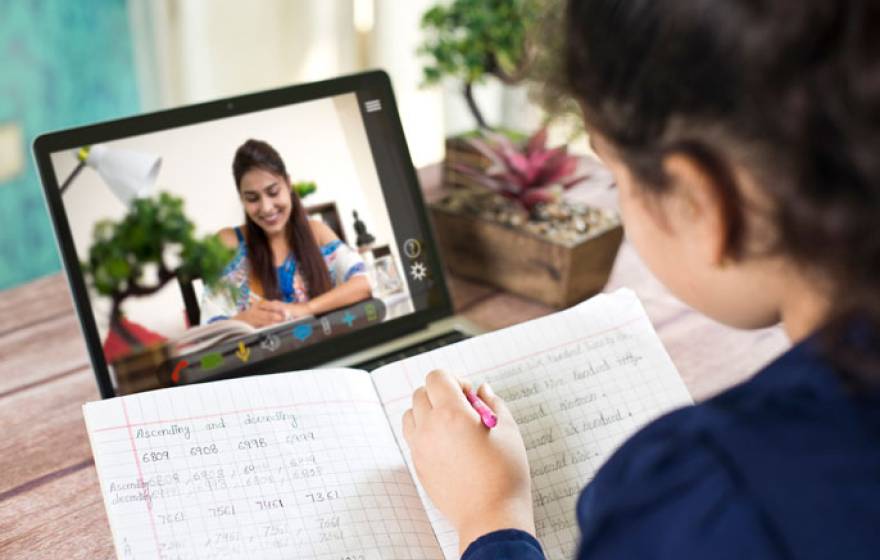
423,346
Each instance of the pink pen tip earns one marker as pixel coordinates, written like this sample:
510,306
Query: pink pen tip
489,419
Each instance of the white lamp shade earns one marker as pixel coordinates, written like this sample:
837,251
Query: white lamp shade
129,174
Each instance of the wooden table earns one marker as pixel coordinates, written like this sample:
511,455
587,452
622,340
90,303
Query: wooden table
50,502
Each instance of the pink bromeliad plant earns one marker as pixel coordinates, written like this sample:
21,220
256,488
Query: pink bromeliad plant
527,174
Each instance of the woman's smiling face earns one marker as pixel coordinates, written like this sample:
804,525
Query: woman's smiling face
266,199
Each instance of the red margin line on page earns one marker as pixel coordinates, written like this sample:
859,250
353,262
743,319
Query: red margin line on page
149,499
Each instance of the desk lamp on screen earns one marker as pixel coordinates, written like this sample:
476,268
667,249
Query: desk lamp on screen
128,173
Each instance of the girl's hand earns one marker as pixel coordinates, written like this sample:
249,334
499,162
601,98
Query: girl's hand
478,478
295,310
262,314
287,311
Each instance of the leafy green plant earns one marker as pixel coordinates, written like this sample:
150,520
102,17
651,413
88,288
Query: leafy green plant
150,246
473,39
304,188
527,173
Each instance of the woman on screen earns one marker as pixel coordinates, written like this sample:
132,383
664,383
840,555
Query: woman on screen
285,265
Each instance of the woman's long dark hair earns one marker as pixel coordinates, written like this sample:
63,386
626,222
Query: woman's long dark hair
788,90
256,154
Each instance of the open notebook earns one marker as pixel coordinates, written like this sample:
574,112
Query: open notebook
313,464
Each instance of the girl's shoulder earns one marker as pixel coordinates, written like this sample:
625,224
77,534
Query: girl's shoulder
746,471
669,494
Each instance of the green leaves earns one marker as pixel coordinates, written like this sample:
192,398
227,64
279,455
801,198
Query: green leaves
304,188
155,235
205,259
469,39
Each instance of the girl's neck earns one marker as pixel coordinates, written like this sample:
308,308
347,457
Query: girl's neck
803,308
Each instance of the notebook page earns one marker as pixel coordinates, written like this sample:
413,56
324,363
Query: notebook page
299,465
578,382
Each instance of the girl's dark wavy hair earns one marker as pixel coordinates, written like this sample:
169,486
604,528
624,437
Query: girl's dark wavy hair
256,154
789,91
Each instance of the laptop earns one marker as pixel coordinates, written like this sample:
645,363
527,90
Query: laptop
139,206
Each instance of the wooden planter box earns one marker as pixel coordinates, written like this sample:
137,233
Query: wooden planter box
144,370
523,263
458,151
516,260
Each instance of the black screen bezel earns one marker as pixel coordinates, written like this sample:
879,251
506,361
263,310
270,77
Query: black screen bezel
377,84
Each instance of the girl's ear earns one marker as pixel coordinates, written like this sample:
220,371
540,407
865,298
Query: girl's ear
696,208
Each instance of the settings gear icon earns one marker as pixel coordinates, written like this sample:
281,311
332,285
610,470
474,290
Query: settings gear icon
418,271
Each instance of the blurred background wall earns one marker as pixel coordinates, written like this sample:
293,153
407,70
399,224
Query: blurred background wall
64,64
69,63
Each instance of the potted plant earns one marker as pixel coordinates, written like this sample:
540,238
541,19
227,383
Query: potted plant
505,220
512,226
137,256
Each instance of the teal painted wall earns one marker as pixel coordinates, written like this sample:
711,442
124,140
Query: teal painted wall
65,63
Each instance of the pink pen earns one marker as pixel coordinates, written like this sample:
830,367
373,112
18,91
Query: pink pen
486,415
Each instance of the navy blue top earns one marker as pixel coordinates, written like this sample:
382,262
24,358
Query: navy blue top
785,465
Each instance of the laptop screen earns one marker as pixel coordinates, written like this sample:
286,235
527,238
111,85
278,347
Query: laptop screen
257,234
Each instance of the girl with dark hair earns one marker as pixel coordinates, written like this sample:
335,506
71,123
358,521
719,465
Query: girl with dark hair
285,265
743,135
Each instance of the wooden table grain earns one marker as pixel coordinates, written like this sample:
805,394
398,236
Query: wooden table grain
50,501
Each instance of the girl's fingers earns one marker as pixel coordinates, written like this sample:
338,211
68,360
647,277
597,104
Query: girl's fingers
494,402
274,309
485,392
445,390
269,318
273,306
421,405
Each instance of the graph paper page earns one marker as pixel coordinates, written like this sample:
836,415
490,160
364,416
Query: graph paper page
578,383
299,465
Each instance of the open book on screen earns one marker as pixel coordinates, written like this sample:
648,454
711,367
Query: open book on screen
313,464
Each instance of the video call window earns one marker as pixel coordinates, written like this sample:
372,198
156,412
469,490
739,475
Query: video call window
291,241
